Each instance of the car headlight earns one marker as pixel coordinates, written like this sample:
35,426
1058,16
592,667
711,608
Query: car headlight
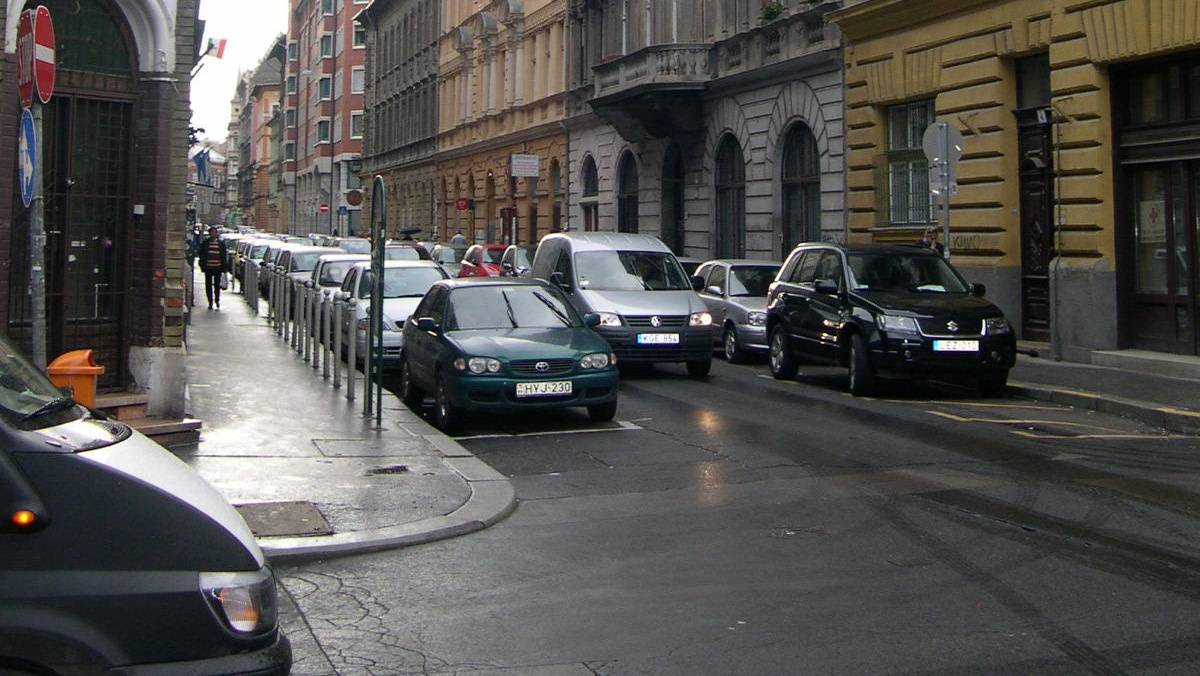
599,360
481,365
756,318
246,601
995,325
700,319
897,324
609,319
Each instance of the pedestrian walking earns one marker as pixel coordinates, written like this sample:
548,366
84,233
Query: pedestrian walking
930,241
458,239
212,263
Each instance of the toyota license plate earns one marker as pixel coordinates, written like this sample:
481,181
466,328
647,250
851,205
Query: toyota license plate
554,389
956,346
658,339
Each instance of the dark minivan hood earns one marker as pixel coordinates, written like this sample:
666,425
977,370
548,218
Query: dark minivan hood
930,304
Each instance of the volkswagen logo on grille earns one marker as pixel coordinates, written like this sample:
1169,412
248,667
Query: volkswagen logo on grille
951,326
542,366
655,322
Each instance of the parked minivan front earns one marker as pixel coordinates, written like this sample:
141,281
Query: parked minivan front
117,557
649,311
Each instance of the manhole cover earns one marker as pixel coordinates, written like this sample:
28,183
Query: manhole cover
391,469
275,519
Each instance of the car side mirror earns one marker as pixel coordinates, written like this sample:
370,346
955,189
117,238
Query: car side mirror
427,324
507,267
978,290
591,320
827,287
714,291
697,283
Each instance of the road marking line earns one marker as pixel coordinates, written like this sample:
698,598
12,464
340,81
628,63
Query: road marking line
623,426
1007,421
1179,411
1034,435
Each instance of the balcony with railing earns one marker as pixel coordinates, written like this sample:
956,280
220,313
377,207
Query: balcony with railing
654,90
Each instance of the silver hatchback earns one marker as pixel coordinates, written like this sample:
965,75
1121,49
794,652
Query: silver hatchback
735,292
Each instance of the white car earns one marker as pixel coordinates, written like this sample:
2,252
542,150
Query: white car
404,285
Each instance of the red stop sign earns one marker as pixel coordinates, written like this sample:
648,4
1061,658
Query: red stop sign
43,54
324,208
25,49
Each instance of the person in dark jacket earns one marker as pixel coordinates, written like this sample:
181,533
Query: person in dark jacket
930,240
212,264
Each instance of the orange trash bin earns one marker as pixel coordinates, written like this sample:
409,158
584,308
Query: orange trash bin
76,370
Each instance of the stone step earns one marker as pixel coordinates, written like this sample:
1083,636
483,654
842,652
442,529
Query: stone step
123,406
168,431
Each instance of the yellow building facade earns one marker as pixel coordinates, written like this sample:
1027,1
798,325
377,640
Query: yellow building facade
1078,191
501,94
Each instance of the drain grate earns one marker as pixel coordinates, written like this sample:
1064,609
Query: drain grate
390,469
279,519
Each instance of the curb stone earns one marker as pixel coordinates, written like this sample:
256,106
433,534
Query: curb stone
1166,417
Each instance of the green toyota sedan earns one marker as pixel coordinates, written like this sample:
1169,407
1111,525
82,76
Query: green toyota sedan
504,344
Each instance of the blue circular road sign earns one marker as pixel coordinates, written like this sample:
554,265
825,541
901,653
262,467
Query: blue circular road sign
26,157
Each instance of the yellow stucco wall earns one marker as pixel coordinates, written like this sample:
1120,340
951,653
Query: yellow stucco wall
961,53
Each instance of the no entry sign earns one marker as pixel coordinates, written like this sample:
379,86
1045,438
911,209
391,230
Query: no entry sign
462,204
25,57
324,208
43,54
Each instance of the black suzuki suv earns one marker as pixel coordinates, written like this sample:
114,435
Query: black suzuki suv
888,311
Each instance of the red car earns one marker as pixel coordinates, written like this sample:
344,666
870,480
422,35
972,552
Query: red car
482,260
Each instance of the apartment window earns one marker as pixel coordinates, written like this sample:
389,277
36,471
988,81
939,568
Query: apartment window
360,36
358,77
326,46
356,123
293,51
291,84
323,129
909,199
325,89
289,117
327,6
289,151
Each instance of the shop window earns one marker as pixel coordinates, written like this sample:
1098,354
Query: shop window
909,199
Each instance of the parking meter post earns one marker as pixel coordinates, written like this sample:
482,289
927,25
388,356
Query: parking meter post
351,342
337,341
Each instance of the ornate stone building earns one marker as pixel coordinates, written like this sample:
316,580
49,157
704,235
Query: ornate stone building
501,93
713,124
401,108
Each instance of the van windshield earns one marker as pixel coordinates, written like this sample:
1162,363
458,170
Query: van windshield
629,271
24,390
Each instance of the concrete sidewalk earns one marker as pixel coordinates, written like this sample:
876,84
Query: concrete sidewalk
1157,389
312,477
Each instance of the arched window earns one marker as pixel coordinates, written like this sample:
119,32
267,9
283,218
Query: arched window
627,194
801,188
672,200
590,180
731,199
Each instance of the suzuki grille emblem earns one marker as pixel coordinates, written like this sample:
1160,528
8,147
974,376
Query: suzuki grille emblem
542,366
952,326
655,322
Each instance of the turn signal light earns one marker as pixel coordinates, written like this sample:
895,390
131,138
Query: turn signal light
24,518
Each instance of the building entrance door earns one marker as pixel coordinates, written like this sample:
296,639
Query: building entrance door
1037,218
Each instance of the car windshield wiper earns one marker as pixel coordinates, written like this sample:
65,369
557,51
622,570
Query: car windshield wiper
50,406
512,316
550,304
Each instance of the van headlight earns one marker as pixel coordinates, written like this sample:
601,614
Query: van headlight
246,601
609,319
896,324
700,319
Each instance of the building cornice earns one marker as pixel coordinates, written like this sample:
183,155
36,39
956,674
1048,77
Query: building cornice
872,18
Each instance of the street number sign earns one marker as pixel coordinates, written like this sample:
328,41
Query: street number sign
43,54
26,157
25,49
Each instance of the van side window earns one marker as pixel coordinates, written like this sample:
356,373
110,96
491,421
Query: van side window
805,272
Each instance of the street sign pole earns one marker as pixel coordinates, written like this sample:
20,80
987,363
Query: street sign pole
944,153
943,146
374,375
37,247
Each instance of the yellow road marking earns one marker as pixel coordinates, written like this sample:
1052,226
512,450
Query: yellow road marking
1008,421
1179,411
1035,435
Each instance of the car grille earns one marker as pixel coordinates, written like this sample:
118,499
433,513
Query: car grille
528,367
939,327
667,321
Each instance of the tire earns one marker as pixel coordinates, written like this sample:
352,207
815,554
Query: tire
603,412
699,369
862,376
445,414
410,394
734,354
782,362
994,386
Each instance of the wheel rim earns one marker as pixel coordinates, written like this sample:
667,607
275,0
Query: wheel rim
730,344
853,365
776,351
443,407
405,385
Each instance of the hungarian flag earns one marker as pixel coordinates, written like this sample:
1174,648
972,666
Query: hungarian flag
216,48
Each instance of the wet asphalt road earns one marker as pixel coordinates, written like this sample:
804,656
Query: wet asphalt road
744,525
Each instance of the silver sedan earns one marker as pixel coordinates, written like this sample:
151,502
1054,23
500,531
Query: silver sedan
735,292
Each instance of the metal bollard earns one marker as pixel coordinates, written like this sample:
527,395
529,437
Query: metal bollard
288,298
367,385
352,338
304,321
297,307
272,299
309,317
326,348
337,341
314,331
